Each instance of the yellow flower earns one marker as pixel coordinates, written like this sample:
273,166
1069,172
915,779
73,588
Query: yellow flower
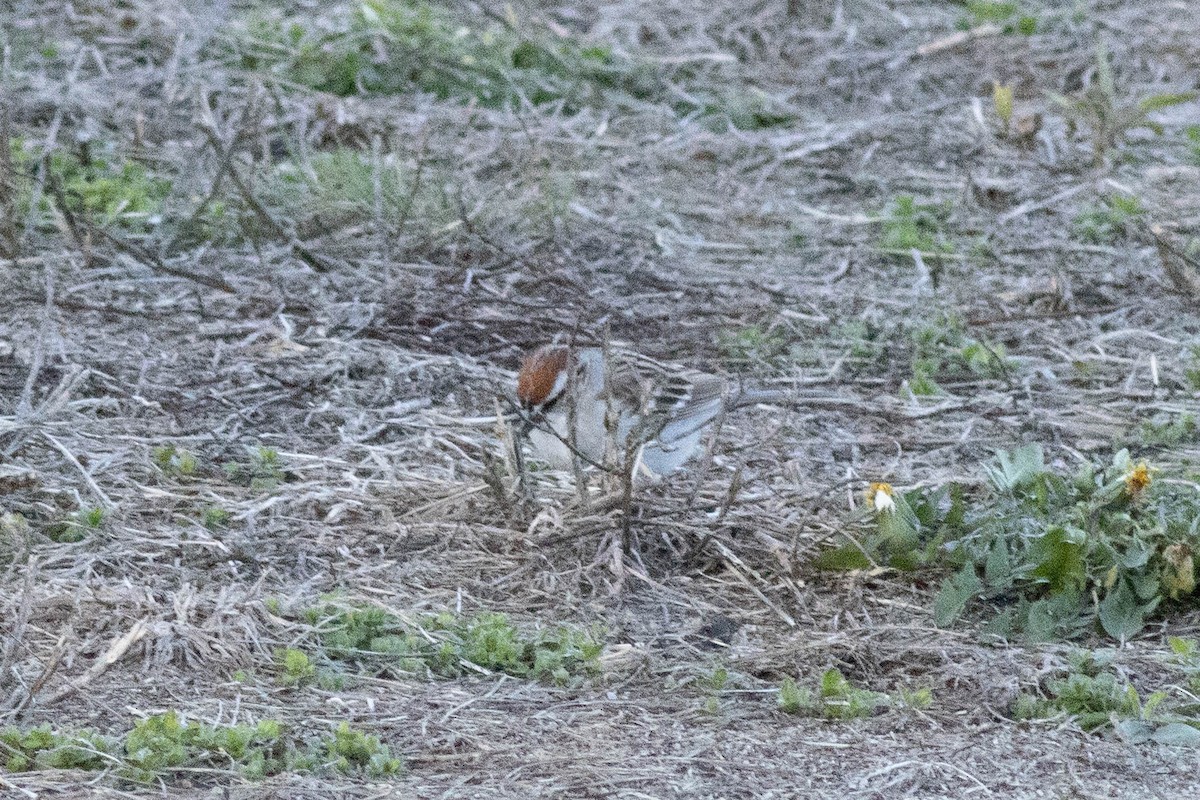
880,496
1137,480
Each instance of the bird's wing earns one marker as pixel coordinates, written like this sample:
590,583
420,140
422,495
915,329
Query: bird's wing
674,403
685,404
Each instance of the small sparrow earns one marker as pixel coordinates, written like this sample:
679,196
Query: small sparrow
622,405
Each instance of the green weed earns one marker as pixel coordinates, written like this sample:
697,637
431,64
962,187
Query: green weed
215,518
1057,554
163,743
997,12
1192,133
295,668
77,526
338,188
448,646
1191,371
353,752
1167,430
1106,223
1092,700
1186,655
174,461
402,46
97,183
1107,116
262,472
942,351
398,46
982,11
713,684
911,226
837,698
42,748
1096,698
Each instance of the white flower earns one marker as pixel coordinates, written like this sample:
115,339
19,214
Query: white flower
879,495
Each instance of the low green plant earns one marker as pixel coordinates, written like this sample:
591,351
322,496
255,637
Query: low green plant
397,46
1192,134
910,226
1167,430
342,187
402,46
449,645
1191,370
982,11
1107,116
713,684
262,472
1092,699
174,461
836,698
1103,545
77,526
943,351
1097,699
295,668
1054,555
159,747
353,752
906,531
1108,222
164,743
215,518
42,748
999,12
1186,656
96,182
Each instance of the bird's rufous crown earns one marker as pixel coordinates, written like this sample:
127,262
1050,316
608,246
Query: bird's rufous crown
540,373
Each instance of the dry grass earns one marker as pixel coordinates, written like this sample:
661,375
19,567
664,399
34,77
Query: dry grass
368,348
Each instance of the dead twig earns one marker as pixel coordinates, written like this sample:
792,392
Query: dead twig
116,651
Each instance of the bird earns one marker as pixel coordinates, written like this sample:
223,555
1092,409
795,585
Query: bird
628,410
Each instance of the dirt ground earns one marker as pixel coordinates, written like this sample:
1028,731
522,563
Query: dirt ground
369,352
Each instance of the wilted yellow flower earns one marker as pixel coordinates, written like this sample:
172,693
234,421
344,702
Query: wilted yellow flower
1137,480
880,496
1179,578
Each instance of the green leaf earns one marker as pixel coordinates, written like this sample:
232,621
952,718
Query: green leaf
1120,614
1059,556
1177,734
844,558
1184,648
1052,617
1104,74
898,529
997,569
1136,555
834,684
1135,731
1012,471
1156,102
956,592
